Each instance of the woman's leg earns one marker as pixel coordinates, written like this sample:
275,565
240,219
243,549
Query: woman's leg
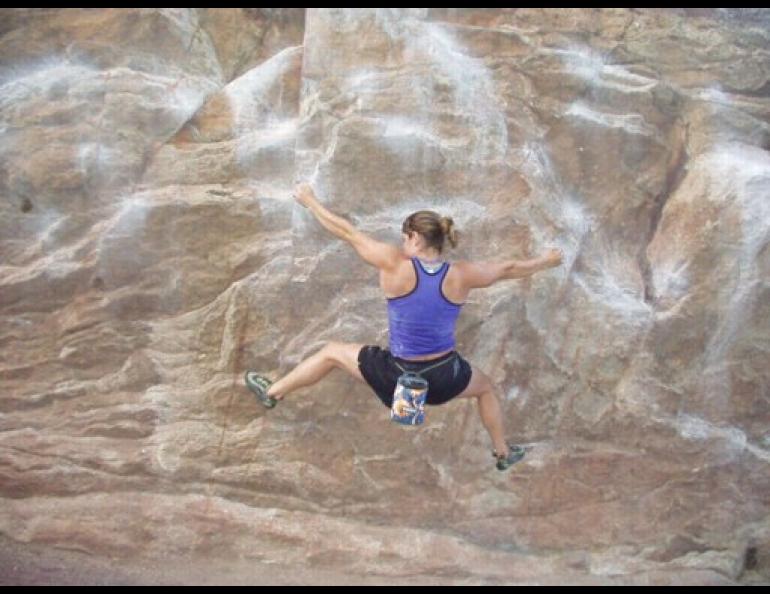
482,389
343,355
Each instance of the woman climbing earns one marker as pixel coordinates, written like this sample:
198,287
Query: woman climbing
424,294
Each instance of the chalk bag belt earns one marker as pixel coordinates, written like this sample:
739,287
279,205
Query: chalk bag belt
452,358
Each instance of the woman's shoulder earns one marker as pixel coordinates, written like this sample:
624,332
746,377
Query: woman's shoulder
480,274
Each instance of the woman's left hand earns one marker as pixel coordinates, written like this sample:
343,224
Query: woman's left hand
304,194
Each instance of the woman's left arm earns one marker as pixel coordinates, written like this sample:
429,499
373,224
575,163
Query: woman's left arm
335,224
381,255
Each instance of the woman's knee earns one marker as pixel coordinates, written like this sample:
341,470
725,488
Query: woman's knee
332,350
339,353
343,355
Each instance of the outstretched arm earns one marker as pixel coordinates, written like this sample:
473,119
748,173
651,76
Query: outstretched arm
523,268
479,275
335,224
380,255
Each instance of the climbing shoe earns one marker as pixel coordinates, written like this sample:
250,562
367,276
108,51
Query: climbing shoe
259,384
515,453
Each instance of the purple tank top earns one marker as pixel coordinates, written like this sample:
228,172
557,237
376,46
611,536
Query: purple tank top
422,322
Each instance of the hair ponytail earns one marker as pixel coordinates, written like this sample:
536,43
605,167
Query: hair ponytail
436,230
450,233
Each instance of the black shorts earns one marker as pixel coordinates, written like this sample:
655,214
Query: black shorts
444,382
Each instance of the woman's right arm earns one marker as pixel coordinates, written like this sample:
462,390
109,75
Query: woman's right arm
523,268
479,275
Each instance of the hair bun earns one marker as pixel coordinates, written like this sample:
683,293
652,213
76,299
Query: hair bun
450,233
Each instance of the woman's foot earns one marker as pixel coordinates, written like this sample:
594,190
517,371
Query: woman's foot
515,453
259,384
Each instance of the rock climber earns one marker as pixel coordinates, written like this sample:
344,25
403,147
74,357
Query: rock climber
425,293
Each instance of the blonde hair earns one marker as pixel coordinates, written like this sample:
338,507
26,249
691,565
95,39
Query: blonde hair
435,229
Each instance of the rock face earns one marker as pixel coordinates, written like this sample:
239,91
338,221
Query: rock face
151,252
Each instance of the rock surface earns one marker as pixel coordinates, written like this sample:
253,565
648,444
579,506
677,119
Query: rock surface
151,252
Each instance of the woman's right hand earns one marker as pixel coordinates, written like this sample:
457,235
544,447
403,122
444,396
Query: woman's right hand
304,194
